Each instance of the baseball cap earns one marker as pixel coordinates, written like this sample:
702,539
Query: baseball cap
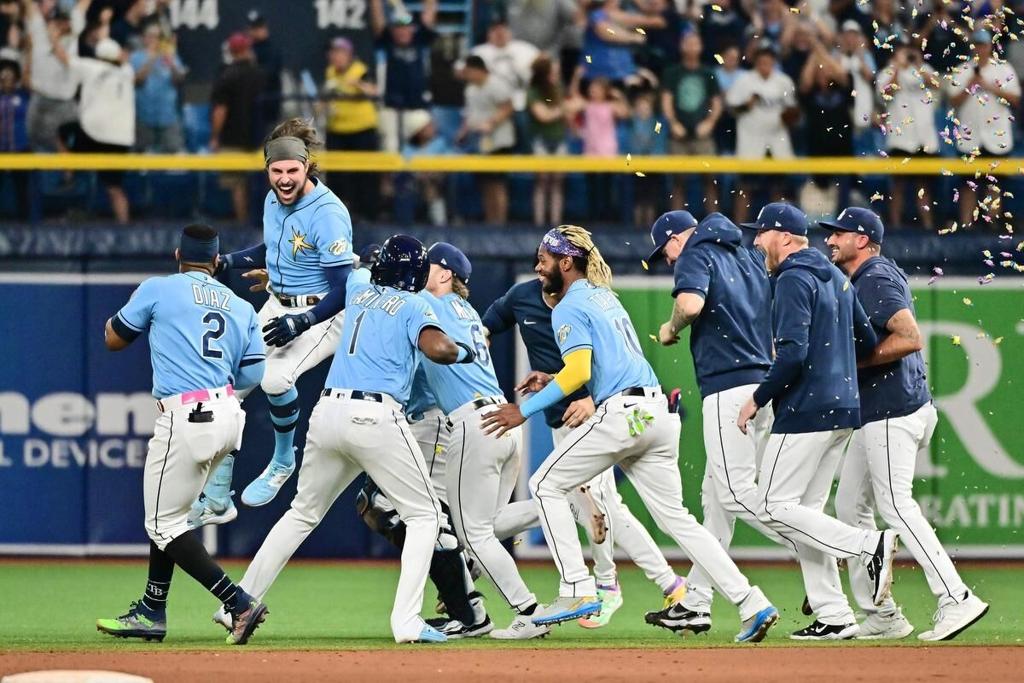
779,216
401,19
981,36
238,43
255,18
858,220
668,224
851,25
108,50
449,256
341,43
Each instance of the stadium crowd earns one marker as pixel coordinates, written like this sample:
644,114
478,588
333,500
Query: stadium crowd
750,78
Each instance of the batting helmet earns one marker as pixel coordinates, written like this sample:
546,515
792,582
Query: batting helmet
402,264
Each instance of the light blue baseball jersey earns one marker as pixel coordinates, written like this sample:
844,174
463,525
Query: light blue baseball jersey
590,317
304,238
460,383
199,331
421,397
379,346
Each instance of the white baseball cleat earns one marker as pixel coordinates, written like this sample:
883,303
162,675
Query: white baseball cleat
889,627
207,510
222,617
951,620
594,516
521,628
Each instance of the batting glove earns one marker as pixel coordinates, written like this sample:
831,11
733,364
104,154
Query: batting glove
280,331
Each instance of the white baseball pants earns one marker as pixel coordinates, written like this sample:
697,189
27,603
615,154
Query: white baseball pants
793,486
345,438
649,456
480,477
431,434
879,472
181,455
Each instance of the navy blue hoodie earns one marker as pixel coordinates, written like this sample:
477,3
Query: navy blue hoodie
813,382
731,340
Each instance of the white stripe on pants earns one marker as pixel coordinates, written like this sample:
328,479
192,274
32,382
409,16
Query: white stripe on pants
650,458
347,437
481,475
880,467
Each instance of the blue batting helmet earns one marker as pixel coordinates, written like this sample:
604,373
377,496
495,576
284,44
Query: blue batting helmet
402,264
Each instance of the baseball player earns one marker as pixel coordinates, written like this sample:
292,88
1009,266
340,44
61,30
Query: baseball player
819,329
307,252
480,470
898,419
359,425
527,306
723,294
632,428
203,342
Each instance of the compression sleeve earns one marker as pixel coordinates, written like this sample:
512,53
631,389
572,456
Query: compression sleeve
337,277
574,375
253,257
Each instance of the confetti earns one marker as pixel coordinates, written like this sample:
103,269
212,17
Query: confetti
968,302
589,61
653,338
629,159
718,58
955,339
640,174
641,31
657,127
716,8
644,264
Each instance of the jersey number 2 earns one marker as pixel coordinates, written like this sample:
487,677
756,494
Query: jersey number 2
214,321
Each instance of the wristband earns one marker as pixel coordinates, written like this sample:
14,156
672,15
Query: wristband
466,354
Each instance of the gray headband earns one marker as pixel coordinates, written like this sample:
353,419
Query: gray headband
286,148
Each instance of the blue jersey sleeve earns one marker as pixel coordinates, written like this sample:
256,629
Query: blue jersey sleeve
254,350
359,276
134,317
881,297
692,273
572,328
332,235
419,315
499,316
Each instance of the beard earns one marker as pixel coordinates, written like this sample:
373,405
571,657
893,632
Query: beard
553,282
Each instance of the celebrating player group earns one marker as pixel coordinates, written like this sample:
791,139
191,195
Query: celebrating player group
802,364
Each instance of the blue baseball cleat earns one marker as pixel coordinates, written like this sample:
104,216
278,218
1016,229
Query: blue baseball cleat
429,634
265,487
566,609
756,627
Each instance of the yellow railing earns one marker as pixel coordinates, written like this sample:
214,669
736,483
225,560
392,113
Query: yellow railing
386,162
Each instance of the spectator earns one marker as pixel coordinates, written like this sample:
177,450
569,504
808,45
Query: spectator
487,129
764,100
352,124
909,88
234,100
127,29
946,49
609,40
691,103
542,23
888,27
158,73
13,129
423,139
721,30
771,23
508,59
603,106
726,74
106,115
406,43
54,43
10,24
546,104
858,61
96,29
985,93
644,140
662,46
799,43
269,60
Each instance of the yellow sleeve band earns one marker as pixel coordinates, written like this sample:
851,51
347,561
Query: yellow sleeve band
576,372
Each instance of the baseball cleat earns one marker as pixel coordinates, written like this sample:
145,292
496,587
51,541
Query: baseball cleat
245,623
820,631
429,634
207,510
566,609
611,601
135,623
805,607
677,593
677,618
521,628
879,565
222,617
455,629
889,627
756,627
951,620
598,523
265,487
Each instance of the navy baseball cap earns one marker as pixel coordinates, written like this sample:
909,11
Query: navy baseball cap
671,223
858,220
450,257
780,216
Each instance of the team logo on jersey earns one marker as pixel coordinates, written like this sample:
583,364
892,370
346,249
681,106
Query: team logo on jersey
299,243
338,248
563,333
429,314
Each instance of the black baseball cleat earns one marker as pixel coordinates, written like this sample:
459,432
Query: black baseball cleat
455,629
677,618
805,607
820,631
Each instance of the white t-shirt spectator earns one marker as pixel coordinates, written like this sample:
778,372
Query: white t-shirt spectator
482,103
910,103
106,108
864,96
511,64
50,76
985,122
760,130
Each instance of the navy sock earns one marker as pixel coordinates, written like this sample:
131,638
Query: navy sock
188,552
284,413
158,584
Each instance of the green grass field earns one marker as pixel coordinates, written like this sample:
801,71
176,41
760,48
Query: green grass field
52,606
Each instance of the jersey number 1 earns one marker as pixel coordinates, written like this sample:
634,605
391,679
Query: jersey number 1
214,321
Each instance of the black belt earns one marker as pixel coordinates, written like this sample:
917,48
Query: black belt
634,391
360,395
486,401
292,301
